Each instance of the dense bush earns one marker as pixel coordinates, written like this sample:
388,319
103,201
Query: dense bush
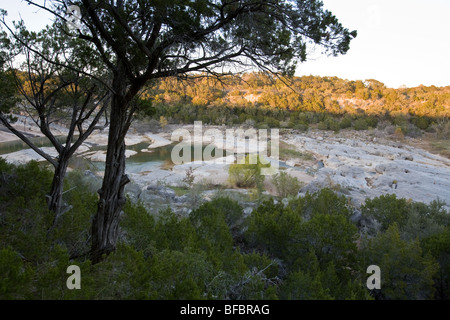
345,123
282,224
413,219
307,249
248,174
407,271
302,127
387,210
421,122
360,124
286,185
324,201
438,245
330,123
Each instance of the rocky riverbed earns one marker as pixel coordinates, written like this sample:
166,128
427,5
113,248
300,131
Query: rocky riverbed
357,164
366,166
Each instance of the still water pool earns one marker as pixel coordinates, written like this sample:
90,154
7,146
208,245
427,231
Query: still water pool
142,161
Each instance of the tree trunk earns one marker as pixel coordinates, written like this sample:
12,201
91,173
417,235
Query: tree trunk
112,198
106,222
54,198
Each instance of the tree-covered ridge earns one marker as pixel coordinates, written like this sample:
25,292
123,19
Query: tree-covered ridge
314,247
308,93
283,99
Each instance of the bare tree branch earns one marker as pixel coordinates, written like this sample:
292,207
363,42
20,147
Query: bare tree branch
25,139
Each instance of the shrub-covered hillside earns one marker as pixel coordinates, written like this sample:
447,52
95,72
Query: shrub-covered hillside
314,247
298,102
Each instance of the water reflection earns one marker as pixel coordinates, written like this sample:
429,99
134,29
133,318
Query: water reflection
144,160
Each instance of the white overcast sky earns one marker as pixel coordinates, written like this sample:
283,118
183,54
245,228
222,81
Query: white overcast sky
400,42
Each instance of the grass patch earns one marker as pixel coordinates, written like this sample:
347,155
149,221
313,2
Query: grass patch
180,191
288,151
442,147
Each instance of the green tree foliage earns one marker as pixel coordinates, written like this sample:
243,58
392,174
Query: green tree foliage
407,271
248,174
346,122
303,286
438,245
421,122
180,275
229,210
141,225
314,283
324,201
329,124
322,255
271,228
16,276
173,233
286,185
307,249
211,228
331,237
361,124
329,102
24,214
387,210
415,220
294,232
8,91
425,220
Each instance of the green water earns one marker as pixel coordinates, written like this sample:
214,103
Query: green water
17,145
140,162
159,157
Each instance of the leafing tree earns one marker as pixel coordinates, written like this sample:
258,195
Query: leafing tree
140,41
48,92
